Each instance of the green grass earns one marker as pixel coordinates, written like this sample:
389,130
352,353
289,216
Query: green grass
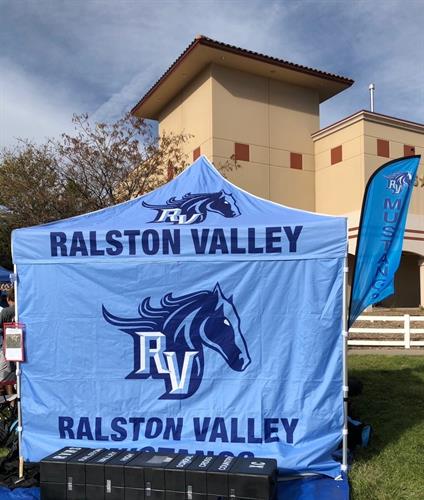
392,401
392,467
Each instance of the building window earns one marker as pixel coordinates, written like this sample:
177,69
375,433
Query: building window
196,153
336,155
241,151
296,161
408,150
383,148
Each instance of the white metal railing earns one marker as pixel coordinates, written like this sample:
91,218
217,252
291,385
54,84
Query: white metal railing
407,332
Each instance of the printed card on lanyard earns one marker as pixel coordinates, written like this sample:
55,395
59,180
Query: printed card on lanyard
13,341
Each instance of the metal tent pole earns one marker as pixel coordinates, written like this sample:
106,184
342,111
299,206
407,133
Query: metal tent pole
345,372
18,383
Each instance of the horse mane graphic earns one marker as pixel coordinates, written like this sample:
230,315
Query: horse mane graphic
193,208
169,340
397,181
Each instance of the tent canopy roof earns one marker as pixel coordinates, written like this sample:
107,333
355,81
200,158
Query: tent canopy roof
199,214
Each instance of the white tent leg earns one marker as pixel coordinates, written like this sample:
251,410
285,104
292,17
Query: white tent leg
18,384
345,372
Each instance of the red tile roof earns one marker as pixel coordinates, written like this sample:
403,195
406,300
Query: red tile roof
203,40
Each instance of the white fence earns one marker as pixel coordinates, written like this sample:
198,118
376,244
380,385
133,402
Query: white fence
407,331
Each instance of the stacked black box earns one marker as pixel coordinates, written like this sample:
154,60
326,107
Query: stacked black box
99,474
134,476
145,476
217,477
115,477
154,475
196,484
53,473
62,474
96,485
75,472
176,477
253,479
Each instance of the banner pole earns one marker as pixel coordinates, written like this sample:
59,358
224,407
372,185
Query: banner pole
18,383
345,368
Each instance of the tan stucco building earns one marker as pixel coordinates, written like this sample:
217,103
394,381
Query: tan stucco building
263,114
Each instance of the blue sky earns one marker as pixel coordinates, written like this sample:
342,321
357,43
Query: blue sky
62,57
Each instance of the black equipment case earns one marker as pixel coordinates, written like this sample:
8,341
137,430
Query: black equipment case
62,474
100,474
115,477
96,485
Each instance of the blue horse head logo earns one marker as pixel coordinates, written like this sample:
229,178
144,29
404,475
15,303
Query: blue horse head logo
194,208
170,340
397,181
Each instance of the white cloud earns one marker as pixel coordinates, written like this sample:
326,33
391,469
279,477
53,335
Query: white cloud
368,41
30,108
123,100
101,57
386,40
173,25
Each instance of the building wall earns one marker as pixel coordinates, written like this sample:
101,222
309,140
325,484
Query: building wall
222,107
398,138
274,119
407,283
240,107
191,112
276,125
339,185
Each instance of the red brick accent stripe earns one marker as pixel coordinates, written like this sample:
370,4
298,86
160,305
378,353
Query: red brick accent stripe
418,231
405,237
411,238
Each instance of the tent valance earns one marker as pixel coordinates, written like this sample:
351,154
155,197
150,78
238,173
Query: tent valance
198,215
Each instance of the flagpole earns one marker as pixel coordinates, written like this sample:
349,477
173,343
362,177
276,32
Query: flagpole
381,230
18,382
378,250
345,368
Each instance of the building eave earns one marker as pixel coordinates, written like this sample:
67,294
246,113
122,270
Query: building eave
204,51
368,116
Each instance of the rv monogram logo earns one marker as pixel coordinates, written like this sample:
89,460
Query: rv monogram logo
169,340
397,181
193,208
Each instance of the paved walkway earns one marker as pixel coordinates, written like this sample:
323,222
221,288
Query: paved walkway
387,351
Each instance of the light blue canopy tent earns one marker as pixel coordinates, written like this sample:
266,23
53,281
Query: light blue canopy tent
197,317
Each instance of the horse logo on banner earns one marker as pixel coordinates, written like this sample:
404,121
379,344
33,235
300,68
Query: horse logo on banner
169,340
193,208
397,181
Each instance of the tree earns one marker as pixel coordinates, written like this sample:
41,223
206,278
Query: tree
31,187
98,166
110,163
31,191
